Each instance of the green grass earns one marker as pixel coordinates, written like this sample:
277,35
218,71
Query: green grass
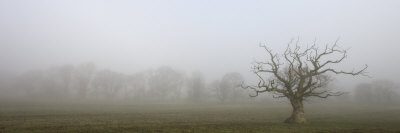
194,118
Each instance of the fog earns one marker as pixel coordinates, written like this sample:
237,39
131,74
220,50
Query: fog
181,51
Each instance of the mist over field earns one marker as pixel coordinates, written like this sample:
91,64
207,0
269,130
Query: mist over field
151,66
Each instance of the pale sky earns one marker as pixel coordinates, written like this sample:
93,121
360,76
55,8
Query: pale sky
212,36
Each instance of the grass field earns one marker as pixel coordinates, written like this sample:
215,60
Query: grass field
193,118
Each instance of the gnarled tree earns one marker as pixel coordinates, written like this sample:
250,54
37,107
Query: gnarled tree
299,74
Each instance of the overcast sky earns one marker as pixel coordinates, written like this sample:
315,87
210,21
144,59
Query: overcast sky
212,36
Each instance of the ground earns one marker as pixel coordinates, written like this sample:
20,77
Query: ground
176,118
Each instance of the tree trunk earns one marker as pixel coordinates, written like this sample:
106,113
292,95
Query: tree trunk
297,116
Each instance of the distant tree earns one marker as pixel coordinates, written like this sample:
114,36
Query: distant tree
65,73
215,86
83,75
108,83
363,93
136,86
299,74
228,88
51,85
30,83
57,81
196,86
165,82
377,92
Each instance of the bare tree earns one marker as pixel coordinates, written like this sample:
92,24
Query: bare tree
299,74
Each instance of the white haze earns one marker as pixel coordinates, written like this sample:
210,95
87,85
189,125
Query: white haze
214,37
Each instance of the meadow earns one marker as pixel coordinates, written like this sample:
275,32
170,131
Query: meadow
198,118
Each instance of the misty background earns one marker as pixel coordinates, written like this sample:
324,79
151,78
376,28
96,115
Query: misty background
105,49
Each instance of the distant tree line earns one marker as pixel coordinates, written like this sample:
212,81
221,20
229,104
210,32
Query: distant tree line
86,82
381,92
